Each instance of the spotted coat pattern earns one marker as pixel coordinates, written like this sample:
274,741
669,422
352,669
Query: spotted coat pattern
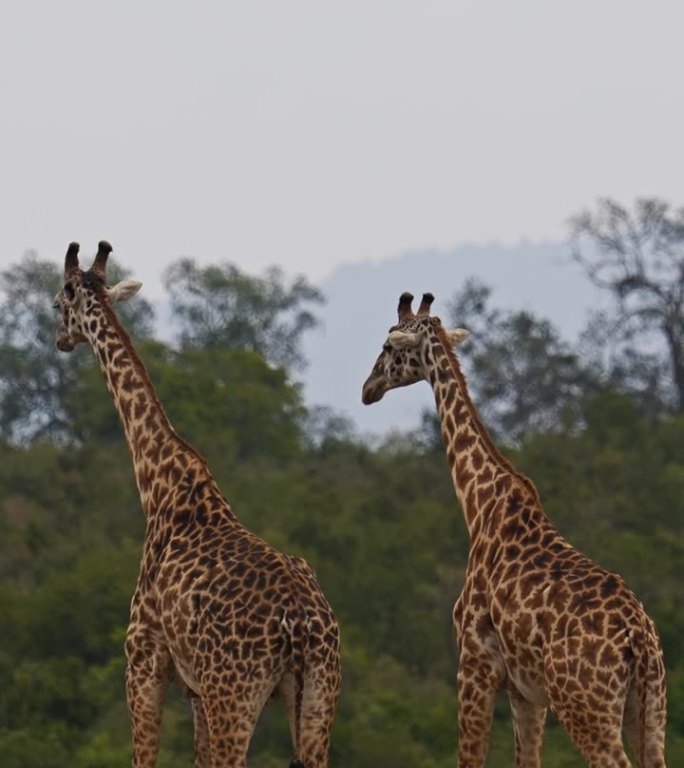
232,618
536,617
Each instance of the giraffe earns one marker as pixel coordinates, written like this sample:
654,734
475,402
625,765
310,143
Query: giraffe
216,607
535,617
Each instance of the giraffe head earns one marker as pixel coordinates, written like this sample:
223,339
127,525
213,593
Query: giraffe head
403,360
83,292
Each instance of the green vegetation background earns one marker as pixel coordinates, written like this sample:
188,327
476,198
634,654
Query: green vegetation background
380,524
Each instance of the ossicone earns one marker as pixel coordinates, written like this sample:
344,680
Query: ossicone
425,304
71,259
100,264
404,309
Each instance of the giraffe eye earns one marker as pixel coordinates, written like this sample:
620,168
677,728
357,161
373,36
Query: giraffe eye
387,348
69,291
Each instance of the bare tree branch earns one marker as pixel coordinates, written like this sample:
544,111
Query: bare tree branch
638,257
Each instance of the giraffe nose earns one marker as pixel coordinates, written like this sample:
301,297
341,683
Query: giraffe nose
62,340
371,393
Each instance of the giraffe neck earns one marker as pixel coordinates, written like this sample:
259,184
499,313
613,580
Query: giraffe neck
154,444
474,461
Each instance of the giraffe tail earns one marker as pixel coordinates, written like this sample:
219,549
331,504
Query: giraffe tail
640,675
296,625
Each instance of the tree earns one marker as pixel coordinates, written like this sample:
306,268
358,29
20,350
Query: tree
638,257
525,378
34,377
259,410
220,305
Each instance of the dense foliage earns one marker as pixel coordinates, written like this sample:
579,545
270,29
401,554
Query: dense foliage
380,525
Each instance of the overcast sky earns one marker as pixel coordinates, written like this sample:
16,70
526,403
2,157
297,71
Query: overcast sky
312,134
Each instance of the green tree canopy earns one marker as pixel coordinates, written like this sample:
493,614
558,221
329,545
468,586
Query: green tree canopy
219,305
259,410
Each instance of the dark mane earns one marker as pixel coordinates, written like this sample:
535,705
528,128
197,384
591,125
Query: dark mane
99,287
474,415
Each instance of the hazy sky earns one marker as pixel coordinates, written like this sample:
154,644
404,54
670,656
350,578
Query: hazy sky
312,134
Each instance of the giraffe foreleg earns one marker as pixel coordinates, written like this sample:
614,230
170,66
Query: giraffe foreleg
147,675
478,683
528,727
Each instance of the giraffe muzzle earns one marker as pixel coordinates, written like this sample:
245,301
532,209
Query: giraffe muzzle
62,340
371,393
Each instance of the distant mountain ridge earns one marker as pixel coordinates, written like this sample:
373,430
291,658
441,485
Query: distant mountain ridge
361,304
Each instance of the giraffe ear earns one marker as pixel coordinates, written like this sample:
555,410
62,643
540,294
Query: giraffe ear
401,339
123,291
458,336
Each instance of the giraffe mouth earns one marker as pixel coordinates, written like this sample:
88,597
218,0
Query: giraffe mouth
371,394
63,341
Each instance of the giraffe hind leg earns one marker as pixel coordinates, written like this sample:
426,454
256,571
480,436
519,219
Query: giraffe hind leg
598,737
231,721
230,732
